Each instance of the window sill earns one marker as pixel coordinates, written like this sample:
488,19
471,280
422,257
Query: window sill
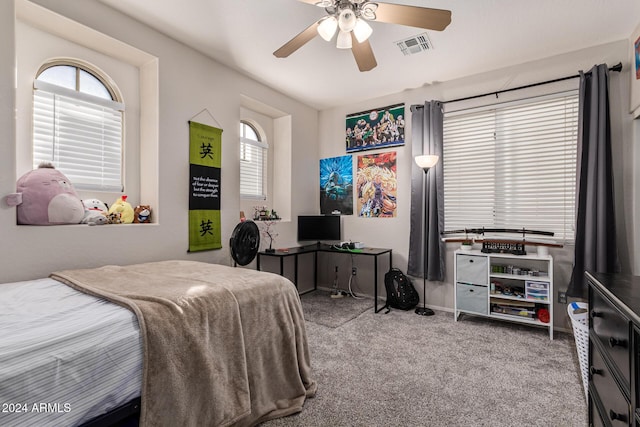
146,224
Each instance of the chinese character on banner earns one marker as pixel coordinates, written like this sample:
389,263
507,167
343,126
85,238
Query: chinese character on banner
205,143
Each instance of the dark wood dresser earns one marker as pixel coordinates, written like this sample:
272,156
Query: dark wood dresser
614,349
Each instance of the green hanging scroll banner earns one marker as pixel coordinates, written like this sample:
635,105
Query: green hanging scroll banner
205,158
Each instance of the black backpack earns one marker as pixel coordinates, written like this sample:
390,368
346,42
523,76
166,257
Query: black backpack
400,291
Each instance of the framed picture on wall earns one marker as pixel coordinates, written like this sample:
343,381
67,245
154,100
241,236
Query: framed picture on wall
336,186
635,71
377,128
377,185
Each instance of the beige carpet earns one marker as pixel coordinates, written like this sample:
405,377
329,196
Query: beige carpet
401,369
320,308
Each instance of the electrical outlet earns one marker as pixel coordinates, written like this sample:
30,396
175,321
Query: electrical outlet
354,270
562,297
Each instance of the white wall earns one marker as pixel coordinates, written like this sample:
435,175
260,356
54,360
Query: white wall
633,176
635,197
188,83
394,232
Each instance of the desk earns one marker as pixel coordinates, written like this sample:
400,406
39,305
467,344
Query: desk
314,249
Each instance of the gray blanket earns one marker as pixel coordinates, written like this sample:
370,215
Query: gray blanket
222,346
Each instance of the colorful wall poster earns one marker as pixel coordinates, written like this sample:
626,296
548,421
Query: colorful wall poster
636,51
377,185
378,128
336,186
205,157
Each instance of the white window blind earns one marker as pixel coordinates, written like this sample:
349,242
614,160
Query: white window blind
253,160
513,165
80,134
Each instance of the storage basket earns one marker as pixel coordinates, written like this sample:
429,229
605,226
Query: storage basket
580,324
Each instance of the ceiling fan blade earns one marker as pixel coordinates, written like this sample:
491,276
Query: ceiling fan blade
413,16
363,54
298,41
309,1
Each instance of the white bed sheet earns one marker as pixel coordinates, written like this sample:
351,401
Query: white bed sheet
65,357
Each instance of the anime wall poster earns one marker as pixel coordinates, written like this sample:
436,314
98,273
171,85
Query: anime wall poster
378,128
336,185
376,184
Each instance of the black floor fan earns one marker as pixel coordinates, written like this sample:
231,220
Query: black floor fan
244,242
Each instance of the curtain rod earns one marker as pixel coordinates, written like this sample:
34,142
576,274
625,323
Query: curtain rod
617,68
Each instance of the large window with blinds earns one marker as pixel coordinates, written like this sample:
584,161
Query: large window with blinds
513,165
78,126
253,160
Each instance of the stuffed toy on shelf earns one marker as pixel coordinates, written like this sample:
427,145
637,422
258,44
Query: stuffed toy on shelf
114,218
142,214
124,208
45,196
95,212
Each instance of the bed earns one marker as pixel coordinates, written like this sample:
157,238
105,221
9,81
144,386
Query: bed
186,343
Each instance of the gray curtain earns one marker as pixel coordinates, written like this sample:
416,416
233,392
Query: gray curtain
595,248
426,138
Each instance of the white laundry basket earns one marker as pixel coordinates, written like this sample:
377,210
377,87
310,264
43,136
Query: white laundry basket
580,324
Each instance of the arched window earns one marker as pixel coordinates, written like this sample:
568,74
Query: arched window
78,125
253,160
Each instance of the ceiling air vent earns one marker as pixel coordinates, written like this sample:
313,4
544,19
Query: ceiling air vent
415,44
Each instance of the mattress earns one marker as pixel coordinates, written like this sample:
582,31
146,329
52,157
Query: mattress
65,357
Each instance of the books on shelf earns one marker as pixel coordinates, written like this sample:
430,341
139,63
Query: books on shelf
514,303
515,308
514,311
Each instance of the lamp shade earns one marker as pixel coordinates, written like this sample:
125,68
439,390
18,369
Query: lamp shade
346,20
327,28
344,40
426,161
362,30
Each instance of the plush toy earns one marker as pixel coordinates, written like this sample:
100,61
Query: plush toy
114,218
95,204
95,212
142,214
44,196
124,208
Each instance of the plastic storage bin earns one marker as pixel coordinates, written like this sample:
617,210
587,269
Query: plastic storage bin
536,290
579,315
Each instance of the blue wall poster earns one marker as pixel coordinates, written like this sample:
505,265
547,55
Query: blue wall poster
336,186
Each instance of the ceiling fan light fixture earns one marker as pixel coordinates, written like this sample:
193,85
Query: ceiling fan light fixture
347,20
368,11
354,32
362,30
328,27
344,40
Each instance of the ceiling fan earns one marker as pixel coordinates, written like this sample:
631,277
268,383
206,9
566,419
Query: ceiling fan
348,18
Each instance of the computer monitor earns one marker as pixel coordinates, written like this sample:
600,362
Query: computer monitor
319,228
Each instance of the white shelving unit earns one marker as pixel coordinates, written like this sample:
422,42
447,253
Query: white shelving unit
517,288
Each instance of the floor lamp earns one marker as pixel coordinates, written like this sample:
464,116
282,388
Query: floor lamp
425,162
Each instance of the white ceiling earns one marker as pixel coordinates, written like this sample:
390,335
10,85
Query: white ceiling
483,36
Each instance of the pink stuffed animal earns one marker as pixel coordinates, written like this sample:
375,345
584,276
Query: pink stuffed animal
46,197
